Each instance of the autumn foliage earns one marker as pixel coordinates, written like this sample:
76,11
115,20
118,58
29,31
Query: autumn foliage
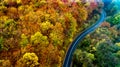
38,32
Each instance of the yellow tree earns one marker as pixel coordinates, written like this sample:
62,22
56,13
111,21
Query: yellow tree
57,35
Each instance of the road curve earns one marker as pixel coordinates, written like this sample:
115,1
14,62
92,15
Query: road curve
72,47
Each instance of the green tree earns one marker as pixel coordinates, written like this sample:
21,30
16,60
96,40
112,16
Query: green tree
83,58
114,20
105,55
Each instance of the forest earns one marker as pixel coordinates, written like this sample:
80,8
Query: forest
38,33
101,48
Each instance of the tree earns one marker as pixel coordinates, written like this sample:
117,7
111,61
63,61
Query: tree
72,26
38,38
83,58
114,20
5,63
24,40
28,60
45,26
57,34
105,55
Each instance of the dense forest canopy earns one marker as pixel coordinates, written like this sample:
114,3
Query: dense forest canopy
102,47
37,33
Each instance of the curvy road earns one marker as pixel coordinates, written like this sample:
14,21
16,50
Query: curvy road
72,47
